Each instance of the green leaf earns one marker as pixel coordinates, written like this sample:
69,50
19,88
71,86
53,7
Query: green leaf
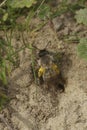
44,11
3,99
81,16
82,48
5,16
21,3
3,76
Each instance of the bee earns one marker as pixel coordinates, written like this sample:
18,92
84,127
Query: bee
48,71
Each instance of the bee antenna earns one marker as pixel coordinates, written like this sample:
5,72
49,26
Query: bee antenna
46,45
39,49
36,47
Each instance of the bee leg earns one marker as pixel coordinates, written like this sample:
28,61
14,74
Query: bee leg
61,87
41,81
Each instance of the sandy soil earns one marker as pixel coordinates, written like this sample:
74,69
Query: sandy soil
32,108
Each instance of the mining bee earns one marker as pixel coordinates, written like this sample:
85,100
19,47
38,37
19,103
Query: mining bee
48,71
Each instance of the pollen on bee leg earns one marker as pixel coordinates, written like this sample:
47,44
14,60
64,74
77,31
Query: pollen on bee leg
41,71
55,68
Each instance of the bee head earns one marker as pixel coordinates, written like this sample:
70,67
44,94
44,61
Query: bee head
43,52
